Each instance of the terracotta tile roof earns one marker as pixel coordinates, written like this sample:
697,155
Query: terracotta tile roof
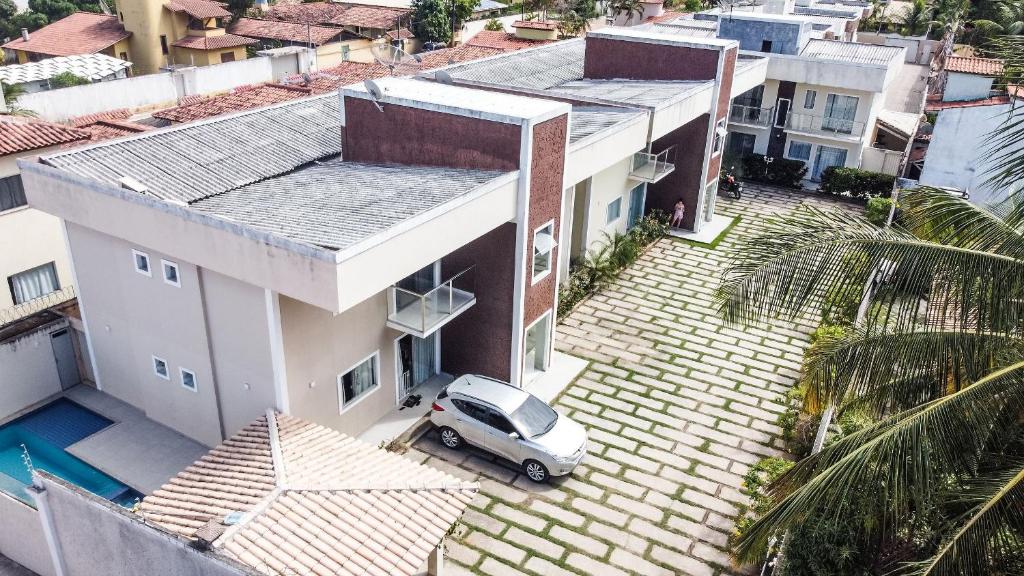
972,65
289,31
79,33
370,17
241,98
534,24
88,119
311,501
446,56
667,16
936,104
213,42
112,128
331,79
23,135
198,8
402,34
311,13
502,40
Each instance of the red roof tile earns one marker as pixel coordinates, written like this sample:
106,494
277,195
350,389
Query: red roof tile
105,129
88,119
668,16
311,13
79,33
213,42
446,56
331,79
289,31
972,65
370,17
933,105
502,40
242,98
198,8
23,135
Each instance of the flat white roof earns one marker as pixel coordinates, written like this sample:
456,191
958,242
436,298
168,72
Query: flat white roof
472,102
649,36
88,66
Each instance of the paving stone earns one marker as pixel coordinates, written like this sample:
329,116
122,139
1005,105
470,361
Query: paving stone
600,511
484,522
579,541
617,537
519,518
588,565
682,563
637,564
461,553
499,548
612,483
635,507
558,513
534,543
545,568
665,537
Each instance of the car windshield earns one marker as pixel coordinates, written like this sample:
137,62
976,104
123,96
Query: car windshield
534,418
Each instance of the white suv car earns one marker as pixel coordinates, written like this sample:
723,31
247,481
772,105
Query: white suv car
511,423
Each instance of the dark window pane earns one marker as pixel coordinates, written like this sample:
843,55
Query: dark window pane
12,193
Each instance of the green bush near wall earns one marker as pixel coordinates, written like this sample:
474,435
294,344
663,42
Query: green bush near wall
780,171
856,183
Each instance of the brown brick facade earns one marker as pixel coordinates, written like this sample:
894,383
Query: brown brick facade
684,182
608,59
547,166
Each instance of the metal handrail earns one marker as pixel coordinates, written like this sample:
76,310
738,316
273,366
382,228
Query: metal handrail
824,124
661,162
752,115
26,309
435,295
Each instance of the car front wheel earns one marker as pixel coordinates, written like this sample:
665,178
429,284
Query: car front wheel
450,438
535,471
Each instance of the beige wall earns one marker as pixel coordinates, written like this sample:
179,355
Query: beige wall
28,371
318,346
131,318
605,187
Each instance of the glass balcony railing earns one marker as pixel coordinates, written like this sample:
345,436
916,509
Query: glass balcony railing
422,314
650,168
750,115
825,125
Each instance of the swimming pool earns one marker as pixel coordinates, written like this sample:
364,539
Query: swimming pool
45,433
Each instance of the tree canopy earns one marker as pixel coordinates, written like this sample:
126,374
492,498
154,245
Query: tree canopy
433,20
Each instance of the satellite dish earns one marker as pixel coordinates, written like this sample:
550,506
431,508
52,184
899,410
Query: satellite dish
376,94
443,77
398,61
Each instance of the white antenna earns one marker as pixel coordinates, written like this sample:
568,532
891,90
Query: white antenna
376,94
398,61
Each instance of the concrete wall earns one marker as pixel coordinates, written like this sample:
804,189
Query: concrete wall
28,371
39,240
919,49
132,317
21,536
840,75
605,187
786,37
223,77
98,537
966,87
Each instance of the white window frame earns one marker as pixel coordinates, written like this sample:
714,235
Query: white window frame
195,379
164,265
167,368
813,94
720,135
608,211
149,263
533,253
810,151
342,407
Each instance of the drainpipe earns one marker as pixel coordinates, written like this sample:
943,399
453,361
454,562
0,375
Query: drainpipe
38,492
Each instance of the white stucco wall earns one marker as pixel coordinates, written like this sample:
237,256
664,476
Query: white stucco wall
21,536
28,371
966,87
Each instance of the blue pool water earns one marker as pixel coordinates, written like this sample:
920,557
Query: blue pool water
45,433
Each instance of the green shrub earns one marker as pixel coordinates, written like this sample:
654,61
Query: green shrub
781,171
856,183
493,25
877,211
66,80
756,482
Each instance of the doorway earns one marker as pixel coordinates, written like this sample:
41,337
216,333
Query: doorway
64,356
637,197
416,362
537,346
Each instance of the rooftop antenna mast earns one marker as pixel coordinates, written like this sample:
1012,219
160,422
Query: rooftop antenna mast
398,61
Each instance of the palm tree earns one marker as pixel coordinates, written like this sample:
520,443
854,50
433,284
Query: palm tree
629,8
939,360
915,18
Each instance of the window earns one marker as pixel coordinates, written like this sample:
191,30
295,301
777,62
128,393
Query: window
12,193
34,283
160,368
188,380
766,45
799,150
171,273
809,97
543,250
358,382
141,260
163,45
827,156
752,97
344,53
499,422
227,57
840,111
720,133
614,210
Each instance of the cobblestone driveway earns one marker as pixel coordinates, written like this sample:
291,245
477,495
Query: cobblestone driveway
678,406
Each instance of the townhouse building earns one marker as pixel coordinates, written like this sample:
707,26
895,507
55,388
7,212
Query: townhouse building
826,101
334,255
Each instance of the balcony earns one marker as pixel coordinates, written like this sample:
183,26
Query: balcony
650,168
825,126
750,115
422,314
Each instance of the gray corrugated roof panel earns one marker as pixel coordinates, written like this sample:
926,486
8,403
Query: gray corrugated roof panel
337,204
852,52
191,161
636,92
586,121
534,68
691,28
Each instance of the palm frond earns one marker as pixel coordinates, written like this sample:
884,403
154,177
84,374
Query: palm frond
908,455
937,216
1004,144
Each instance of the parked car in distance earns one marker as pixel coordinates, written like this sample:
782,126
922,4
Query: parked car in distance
511,423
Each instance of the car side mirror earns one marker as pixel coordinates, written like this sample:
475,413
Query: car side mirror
513,435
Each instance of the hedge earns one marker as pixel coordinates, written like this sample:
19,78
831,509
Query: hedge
781,171
856,183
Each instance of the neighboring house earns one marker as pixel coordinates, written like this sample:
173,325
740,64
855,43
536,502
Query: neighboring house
243,261
36,76
488,8
369,23
825,102
970,78
333,45
79,33
241,98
